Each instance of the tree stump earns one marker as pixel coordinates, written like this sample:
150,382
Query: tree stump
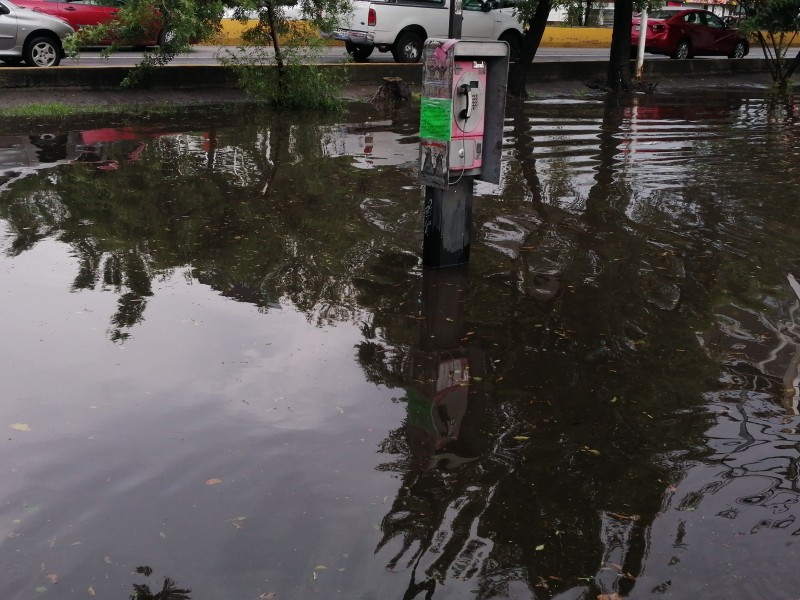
394,89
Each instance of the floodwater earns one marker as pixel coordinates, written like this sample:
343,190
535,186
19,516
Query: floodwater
223,364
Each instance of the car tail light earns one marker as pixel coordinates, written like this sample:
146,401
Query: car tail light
372,17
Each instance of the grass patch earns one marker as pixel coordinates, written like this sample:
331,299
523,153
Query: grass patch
57,110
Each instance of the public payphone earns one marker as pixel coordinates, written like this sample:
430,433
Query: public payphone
462,110
469,105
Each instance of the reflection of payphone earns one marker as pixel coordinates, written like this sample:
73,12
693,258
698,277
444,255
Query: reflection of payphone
462,110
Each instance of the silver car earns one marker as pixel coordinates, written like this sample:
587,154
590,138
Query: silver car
30,36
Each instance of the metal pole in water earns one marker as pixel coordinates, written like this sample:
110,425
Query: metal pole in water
461,138
447,216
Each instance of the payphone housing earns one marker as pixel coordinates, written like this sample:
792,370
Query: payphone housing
462,110
469,106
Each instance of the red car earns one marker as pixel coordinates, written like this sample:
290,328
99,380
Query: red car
685,33
81,13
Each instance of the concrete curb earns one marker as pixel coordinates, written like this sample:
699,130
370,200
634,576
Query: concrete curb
211,76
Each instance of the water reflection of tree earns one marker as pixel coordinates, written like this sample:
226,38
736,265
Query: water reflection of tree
169,589
586,385
255,213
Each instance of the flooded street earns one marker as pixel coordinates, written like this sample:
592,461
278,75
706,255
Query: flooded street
223,363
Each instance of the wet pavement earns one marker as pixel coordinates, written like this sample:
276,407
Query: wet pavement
223,363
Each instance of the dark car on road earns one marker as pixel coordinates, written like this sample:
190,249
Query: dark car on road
686,33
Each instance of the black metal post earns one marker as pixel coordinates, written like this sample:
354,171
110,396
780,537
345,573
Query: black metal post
447,221
454,26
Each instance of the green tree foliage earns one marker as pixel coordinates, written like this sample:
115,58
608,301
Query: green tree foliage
272,39
290,46
775,24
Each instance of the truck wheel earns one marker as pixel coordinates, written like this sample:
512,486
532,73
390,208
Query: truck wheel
407,48
42,51
359,52
514,45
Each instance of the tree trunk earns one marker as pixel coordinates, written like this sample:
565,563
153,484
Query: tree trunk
518,73
793,66
588,14
619,64
273,28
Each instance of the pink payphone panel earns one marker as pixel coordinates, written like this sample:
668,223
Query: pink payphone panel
469,104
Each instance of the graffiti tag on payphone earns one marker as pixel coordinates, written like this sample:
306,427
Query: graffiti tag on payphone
433,163
437,77
436,113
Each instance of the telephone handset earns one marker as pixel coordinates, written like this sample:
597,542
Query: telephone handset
469,100
466,90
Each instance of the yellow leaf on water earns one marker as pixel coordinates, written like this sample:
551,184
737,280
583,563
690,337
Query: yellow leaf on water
20,427
91,591
214,481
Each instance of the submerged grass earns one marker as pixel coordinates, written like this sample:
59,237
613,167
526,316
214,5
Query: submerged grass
57,110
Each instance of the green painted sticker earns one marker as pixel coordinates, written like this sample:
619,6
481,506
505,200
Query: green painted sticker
435,118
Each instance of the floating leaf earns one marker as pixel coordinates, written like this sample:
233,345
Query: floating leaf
213,481
521,438
52,577
267,596
20,427
540,547
41,589
91,591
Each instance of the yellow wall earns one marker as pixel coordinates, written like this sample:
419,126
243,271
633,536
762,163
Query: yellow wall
564,37
576,37
554,37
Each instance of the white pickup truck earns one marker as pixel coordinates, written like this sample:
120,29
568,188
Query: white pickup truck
402,26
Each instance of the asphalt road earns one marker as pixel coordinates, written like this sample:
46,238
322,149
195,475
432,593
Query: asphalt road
207,55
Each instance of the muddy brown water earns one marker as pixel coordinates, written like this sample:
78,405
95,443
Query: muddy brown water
222,362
